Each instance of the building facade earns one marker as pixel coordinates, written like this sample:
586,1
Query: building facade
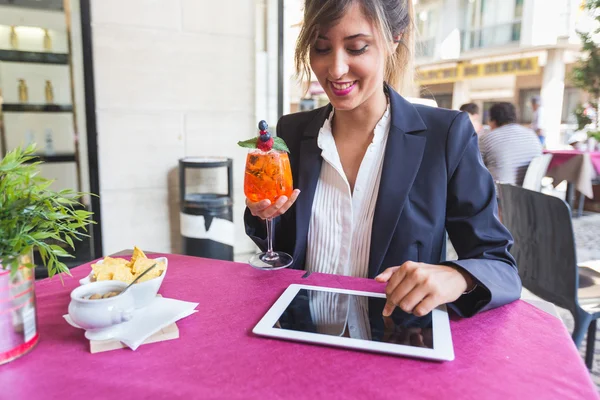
485,51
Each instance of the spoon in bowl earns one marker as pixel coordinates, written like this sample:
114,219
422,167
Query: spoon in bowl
138,278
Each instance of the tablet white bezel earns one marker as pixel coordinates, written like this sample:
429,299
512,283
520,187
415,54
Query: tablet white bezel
442,338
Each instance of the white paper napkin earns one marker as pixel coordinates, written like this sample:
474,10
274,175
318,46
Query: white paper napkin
146,321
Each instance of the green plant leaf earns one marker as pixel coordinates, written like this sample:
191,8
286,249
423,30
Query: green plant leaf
279,144
41,235
59,251
248,144
70,241
33,215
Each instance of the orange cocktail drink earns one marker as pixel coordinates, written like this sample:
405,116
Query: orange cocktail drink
268,176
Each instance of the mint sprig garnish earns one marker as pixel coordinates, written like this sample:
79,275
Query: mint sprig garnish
249,144
278,144
265,141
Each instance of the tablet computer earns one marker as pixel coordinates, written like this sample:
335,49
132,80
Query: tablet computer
354,320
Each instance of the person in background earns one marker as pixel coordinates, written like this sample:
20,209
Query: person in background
473,110
509,147
537,119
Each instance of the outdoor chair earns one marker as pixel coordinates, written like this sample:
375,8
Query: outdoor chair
544,249
536,171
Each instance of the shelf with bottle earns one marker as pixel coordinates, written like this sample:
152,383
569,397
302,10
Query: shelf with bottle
43,33
38,47
37,103
55,158
51,150
24,106
35,57
47,108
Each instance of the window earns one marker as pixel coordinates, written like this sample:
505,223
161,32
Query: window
442,100
525,110
519,9
491,23
427,27
426,23
571,99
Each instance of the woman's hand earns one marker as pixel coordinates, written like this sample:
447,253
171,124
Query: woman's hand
418,288
264,209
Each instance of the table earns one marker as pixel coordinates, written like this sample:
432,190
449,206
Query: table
515,352
580,170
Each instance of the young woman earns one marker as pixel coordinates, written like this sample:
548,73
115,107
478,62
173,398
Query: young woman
380,180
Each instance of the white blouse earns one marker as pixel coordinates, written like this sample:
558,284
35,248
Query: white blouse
339,234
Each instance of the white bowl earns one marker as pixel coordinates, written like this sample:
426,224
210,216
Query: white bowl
144,292
101,313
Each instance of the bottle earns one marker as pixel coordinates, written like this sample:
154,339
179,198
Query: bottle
49,148
23,92
47,40
49,93
14,39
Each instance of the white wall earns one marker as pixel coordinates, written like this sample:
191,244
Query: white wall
174,78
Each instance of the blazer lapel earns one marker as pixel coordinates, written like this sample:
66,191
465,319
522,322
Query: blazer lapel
308,176
402,159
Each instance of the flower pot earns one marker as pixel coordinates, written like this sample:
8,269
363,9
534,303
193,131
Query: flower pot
18,327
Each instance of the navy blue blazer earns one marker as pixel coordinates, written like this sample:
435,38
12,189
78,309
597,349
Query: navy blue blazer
433,180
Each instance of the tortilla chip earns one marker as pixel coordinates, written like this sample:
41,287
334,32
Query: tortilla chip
104,276
126,271
137,254
114,261
103,269
155,273
123,274
143,264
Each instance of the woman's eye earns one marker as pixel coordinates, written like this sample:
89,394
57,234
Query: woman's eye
321,50
357,52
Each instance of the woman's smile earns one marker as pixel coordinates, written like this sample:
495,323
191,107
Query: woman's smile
342,88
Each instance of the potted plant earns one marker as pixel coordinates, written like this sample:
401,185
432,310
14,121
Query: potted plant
32,216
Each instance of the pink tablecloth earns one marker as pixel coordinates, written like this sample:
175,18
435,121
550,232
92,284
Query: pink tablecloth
561,156
576,167
515,352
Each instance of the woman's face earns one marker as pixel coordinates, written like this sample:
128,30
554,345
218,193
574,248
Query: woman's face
348,59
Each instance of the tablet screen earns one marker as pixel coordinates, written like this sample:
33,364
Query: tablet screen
354,316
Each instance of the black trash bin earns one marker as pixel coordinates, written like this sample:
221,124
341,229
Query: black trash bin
206,219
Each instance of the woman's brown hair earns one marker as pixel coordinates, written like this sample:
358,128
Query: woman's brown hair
392,18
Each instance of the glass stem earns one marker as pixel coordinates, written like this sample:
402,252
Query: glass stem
270,253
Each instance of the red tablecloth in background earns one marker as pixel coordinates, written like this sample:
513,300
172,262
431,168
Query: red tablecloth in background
515,352
562,156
